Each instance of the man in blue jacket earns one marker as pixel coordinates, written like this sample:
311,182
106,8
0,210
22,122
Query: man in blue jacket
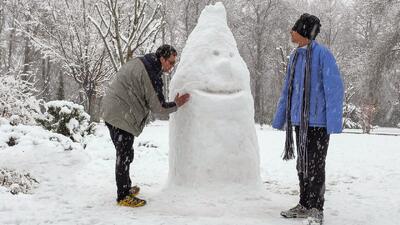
312,102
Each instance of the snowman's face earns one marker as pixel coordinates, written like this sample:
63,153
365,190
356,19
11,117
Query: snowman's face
224,72
218,70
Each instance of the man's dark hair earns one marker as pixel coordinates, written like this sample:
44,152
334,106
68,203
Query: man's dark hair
307,26
165,51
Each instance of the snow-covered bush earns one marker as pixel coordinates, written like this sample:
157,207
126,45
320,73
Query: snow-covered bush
66,118
17,101
352,117
12,141
24,137
17,182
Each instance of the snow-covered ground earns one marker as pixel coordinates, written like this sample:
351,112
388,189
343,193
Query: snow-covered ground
77,186
376,131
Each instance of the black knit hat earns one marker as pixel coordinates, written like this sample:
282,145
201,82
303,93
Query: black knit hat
307,26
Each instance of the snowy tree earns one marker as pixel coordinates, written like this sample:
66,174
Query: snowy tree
258,16
72,40
332,19
61,91
352,116
383,60
18,57
125,27
17,100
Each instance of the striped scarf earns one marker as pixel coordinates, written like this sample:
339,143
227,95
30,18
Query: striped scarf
305,112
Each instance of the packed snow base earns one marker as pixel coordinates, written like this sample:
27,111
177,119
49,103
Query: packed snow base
213,142
78,186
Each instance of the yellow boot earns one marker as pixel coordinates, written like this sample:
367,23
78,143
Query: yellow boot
131,201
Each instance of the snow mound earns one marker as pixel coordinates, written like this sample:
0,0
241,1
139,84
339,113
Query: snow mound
21,136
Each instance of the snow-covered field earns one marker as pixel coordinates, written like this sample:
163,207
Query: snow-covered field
77,186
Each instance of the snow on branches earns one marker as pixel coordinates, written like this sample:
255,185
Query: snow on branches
125,27
68,119
17,101
16,182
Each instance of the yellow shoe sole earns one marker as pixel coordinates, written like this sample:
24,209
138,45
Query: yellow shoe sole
128,204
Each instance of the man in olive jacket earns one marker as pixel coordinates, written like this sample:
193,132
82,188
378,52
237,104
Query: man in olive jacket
135,91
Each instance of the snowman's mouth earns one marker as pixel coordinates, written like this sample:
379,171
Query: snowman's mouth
219,92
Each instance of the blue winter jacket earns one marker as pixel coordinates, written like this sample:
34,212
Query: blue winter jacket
326,95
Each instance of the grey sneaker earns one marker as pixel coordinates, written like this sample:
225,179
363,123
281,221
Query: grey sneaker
298,211
315,215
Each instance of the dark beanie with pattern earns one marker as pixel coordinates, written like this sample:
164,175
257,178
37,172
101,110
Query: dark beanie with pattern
307,26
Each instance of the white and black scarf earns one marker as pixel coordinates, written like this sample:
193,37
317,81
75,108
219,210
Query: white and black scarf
305,113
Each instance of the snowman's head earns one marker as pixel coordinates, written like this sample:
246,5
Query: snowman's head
211,61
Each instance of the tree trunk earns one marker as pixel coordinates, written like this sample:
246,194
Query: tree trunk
61,91
27,59
93,105
46,78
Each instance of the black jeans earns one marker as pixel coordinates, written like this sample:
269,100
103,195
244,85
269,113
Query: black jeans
123,142
312,188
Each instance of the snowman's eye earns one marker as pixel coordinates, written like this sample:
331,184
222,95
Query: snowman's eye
216,53
231,54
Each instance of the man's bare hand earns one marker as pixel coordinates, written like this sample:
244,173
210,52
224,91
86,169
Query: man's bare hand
181,100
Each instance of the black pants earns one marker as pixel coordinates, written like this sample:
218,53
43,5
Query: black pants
123,142
312,188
